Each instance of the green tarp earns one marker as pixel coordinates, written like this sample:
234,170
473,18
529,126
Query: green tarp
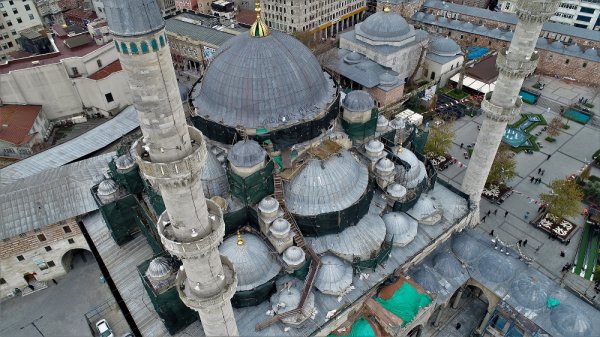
405,303
552,303
253,188
359,131
360,328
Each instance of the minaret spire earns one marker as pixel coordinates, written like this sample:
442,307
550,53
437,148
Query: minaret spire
259,27
171,155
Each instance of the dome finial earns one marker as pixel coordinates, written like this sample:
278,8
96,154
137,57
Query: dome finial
258,28
240,241
387,8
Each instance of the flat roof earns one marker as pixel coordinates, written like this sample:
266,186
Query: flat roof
106,71
197,32
16,121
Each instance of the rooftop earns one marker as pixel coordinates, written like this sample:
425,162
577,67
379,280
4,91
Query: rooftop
16,121
196,32
106,71
485,70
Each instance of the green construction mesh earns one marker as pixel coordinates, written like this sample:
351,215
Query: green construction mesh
254,296
405,303
155,199
253,188
372,263
234,220
418,143
358,131
302,271
175,315
360,328
131,180
120,218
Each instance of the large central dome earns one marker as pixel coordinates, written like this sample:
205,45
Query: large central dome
263,83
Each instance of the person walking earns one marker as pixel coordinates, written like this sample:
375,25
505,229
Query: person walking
505,213
489,212
549,156
483,219
461,145
519,242
496,211
539,170
492,233
531,179
54,281
562,253
526,215
458,325
525,243
543,171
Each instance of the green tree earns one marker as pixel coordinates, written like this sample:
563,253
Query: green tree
592,190
307,38
504,167
554,127
440,137
564,199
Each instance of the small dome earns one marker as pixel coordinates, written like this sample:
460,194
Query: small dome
253,262
388,80
384,26
591,52
466,247
419,15
530,292
124,162
358,101
294,256
214,177
396,191
417,172
334,277
448,265
509,34
399,227
384,165
288,299
353,58
374,146
468,26
246,153
557,45
98,178
570,321
159,268
382,121
398,123
574,48
482,30
280,227
429,17
455,23
427,279
444,47
427,210
268,205
107,187
496,267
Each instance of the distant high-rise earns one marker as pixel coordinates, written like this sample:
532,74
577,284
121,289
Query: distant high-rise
171,155
514,64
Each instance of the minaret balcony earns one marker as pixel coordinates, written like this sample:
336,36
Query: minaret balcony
193,245
538,11
499,113
509,66
195,301
184,169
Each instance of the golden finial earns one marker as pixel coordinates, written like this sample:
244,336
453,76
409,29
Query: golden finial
259,27
240,241
386,8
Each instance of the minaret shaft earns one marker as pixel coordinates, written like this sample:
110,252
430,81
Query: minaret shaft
514,64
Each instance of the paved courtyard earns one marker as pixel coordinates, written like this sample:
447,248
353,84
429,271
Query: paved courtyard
61,307
572,150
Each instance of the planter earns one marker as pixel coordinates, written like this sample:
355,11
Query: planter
550,139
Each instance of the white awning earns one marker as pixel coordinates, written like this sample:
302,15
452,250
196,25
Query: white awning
474,84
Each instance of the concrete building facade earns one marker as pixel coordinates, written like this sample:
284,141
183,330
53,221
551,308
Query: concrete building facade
578,13
21,128
16,16
514,64
171,155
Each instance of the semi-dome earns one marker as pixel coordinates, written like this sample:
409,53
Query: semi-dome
353,58
253,262
384,26
570,321
107,187
358,101
427,210
399,227
496,267
386,79
444,46
334,277
448,266
159,268
414,176
327,186
214,178
124,162
396,191
294,256
530,292
466,247
263,82
288,299
246,153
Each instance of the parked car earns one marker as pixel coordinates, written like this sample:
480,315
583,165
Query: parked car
104,328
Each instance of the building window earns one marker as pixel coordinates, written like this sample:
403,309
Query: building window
109,97
67,229
161,39
579,18
71,241
42,264
124,48
51,264
20,257
144,47
133,47
432,75
19,20
48,248
27,8
99,62
41,237
587,10
117,46
31,17
154,45
2,281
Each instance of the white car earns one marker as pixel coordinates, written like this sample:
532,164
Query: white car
104,328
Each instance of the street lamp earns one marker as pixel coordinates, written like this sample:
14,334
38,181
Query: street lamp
35,326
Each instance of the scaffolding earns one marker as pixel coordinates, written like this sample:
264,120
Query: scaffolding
360,131
252,189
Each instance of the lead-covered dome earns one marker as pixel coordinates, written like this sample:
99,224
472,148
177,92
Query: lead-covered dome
358,101
400,227
214,178
246,153
412,177
263,83
530,291
444,46
383,26
335,275
571,321
251,259
327,186
159,268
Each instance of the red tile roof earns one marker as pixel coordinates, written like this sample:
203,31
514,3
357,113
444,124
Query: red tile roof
106,71
246,16
16,121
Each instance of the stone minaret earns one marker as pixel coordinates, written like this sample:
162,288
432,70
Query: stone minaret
171,155
514,64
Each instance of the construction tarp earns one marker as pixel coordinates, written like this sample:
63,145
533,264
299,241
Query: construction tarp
251,189
359,131
254,296
131,180
360,328
405,303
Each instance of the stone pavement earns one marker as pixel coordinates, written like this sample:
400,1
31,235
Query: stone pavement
469,314
573,148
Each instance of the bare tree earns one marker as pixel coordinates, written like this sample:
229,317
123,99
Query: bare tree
424,47
463,69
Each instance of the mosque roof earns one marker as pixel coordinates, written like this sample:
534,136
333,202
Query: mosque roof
385,26
214,178
334,276
263,83
571,321
417,172
246,153
444,46
159,267
134,17
358,101
400,227
364,71
327,186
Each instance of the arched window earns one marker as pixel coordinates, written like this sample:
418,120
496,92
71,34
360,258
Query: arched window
134,48
124,48
117,46
144,47
161,39
154,45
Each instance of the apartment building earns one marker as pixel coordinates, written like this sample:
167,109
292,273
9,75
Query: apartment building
578,13
15,17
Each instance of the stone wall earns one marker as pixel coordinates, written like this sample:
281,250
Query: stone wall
384,98
26,253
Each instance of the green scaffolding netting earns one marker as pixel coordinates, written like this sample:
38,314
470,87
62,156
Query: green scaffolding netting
358,131
405,303
360,328
131,180
253,188
254,296
378,259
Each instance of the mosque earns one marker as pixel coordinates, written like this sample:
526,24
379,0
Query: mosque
289,207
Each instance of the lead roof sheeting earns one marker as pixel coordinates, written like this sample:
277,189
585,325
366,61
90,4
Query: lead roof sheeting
133,17
196,32
214,177
400,227
50,196
365,72
323,187
91,141
334,276
425,208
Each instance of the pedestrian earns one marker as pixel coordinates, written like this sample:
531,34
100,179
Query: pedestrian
519,242
562,253
458,325
526,215
31,287
539,170
539,180
525,243
541,208
489,212
483,219
531,179
492,233
461,145
543,172
505,213
54,281
496,211
549,156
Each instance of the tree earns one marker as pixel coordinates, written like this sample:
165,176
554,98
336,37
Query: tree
463,68
592,190
555,126
564,199
504,167
440,137
424,47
